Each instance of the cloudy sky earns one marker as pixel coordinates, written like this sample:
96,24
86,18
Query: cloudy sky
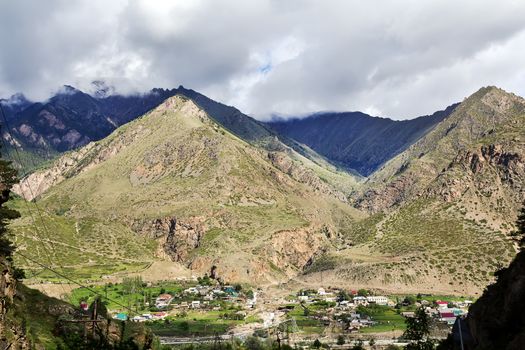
396,58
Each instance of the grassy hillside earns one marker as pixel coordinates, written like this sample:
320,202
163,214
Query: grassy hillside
235,206
443,210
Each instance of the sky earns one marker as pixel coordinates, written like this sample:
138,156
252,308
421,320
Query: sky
392,58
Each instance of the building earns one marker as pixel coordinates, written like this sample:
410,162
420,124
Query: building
163,300
447,316
442,304
358,300
376,299
159,315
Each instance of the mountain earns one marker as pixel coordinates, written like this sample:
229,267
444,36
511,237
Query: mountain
444,208
193,194
356,140
177,187
14,104
477,152
71,119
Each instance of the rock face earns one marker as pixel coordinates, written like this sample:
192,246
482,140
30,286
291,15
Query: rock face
178,238
493,170
497,319
474,146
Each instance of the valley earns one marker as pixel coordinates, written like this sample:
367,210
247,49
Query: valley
177,186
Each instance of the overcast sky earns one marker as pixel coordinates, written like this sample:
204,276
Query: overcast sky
396,58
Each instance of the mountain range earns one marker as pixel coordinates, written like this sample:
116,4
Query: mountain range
345,198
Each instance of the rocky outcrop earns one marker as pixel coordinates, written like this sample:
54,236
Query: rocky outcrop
489,170
394,193
292,250
177,238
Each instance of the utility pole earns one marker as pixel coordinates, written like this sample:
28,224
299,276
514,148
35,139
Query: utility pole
460,333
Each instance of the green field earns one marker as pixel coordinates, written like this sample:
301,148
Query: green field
195,323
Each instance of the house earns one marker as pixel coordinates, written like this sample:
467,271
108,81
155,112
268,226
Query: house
376,299
358,300
163,300
159,315
408,314
447,316
191,290
442,304
321,291
195,304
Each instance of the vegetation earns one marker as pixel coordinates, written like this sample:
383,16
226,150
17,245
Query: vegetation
418,331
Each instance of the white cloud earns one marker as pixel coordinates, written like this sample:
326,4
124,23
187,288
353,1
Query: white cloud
398,58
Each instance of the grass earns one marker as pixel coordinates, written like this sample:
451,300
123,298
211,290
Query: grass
305,324
169,164
119,297
387,321
84,249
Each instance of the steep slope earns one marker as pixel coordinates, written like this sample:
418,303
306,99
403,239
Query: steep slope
478,151
207,197
356,140
443,209
72,118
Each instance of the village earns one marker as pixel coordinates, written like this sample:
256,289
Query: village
203,308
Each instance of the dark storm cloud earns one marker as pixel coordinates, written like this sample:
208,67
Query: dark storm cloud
396,58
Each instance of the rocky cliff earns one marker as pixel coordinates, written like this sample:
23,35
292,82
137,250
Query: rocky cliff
497,319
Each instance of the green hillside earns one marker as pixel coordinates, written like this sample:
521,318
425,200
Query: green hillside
229,204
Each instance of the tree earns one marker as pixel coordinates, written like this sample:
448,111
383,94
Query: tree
342,295
253,343
317,344
358,346
341,340
409,300
418,330
362,292
306,311
7,180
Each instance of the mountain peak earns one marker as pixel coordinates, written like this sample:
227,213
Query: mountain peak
495,98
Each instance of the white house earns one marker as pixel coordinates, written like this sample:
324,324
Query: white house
359,300
377,299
